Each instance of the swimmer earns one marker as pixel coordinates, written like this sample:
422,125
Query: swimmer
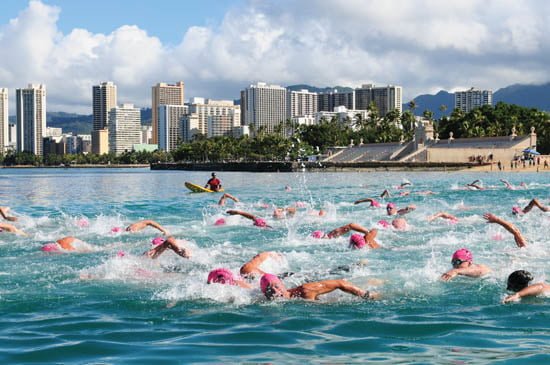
252,269
273,287
10,228
520,240
224,197
385,194
518,282
400,224
391,209
507,184
533,203
462,262
68,243
225,276
281,213
373,202
259,222
138,226
474,184
404,185
171,243
425,192
320,212
443,215
4,213
369,235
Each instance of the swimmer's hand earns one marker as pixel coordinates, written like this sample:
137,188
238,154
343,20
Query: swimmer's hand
370,295
511,298
491,218
449,275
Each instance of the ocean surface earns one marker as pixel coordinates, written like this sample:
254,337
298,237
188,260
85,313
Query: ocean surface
98,307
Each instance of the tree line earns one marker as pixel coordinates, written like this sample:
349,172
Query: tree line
291,141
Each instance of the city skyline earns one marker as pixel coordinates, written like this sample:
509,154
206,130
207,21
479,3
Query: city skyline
424,46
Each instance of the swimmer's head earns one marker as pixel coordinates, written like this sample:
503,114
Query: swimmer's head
390,208
300,204
260,222
519,280
157,241
357,241
516,210
82,223
51,247
219,222
121,254
317,234
213,174
221,276
374,203
116,230
384,223
460,256
272,286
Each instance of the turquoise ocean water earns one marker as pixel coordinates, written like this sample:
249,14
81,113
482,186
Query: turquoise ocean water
118,315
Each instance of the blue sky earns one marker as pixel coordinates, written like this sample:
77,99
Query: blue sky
219,47
164,19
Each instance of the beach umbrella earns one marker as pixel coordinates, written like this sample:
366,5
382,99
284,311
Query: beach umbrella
531,151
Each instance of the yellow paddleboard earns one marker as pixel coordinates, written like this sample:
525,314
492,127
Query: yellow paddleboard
199,189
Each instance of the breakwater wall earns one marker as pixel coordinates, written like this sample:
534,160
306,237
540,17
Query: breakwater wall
283,166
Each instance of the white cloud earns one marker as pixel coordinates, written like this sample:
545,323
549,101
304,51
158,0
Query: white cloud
422,45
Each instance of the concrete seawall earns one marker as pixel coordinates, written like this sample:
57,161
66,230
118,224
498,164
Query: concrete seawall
282,166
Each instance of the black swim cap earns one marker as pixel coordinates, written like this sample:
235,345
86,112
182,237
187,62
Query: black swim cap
518,280
213,174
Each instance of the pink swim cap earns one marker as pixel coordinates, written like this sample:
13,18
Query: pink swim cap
267,281
300,204
219,222
260,222
390,206
384,223
317,234
516,210
83,222
374,203
357,241
116,229
221,276
121,254
463,255
51,247
157,241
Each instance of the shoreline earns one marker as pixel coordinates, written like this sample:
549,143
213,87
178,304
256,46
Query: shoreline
85,166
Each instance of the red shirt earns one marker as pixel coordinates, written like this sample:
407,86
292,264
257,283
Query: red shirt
214,183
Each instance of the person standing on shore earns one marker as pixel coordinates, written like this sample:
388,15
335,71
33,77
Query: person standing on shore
214,183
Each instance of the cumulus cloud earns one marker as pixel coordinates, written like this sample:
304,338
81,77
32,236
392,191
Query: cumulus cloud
422,45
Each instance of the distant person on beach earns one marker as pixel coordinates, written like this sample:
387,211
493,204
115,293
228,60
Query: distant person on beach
518,282
10,228
475,184
226,196
533,203
520,240
68,243
161,244
273,287
258,222
462,262
356,240
214,183
138,226
4,214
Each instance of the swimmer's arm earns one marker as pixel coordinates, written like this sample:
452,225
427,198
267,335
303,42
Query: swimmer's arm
406,210
449,275
157,251
244,214
530,291
157,226
520,240
363,201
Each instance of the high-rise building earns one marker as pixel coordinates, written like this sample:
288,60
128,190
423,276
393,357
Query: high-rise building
100,141
205,108
31,118
146,134
104,99
223,125
190,126
263,106
386,98
327,101
170,132
301,103
124,128
165,94
473,98
4,127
